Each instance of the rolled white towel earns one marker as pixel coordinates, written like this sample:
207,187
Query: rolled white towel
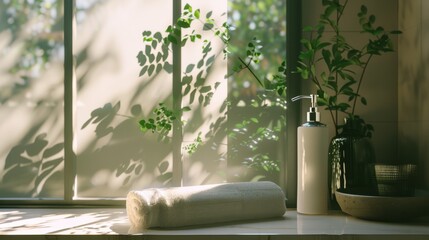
194,205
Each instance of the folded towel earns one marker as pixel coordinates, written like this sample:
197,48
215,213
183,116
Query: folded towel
194,205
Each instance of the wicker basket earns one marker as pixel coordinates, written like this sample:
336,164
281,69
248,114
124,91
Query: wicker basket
395,180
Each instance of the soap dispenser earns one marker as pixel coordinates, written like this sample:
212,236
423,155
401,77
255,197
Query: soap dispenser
312,165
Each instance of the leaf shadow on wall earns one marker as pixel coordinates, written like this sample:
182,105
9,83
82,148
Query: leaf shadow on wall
30,101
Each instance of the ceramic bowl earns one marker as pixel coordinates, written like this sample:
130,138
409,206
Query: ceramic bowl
382,208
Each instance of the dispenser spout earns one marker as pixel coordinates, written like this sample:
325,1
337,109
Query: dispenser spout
313,114
313,98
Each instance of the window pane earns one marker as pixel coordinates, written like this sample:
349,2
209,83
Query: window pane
31,99
205,68
256,145
113,156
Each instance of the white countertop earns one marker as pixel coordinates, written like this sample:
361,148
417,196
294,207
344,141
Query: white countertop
113,221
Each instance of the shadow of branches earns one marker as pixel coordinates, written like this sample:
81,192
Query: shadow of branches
113,156
31,159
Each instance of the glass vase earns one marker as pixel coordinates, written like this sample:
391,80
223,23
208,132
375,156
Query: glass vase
351,158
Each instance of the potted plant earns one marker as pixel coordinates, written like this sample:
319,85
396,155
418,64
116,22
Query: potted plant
337,69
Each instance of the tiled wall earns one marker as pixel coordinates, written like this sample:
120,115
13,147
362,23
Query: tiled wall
413,84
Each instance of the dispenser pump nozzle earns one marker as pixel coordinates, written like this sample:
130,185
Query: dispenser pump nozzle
313,115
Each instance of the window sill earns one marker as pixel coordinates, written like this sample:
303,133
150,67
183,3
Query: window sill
36,223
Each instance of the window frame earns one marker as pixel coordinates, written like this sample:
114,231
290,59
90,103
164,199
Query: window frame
293,117
288,168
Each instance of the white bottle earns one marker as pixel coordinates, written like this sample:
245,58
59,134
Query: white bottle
313,144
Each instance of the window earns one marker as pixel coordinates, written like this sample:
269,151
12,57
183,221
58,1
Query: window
31,97
71,99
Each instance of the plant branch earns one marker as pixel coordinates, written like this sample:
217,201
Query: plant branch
335,120
342,11
251,71
360,83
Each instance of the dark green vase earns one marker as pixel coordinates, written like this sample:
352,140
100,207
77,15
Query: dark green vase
352,158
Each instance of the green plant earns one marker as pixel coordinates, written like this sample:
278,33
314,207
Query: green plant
155,57
336,67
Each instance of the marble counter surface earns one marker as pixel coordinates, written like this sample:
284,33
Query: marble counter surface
113,221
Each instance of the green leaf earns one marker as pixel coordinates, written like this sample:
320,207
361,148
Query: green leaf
343,106
378,31
142,122
255,120
209,14
306,55
172,39
323,45
372,19
197,14
363,101
304,73
329,10
183,23
324,76
147,39
346,87
327,57
363,9
183,43
188,7
332,85
353,53
306,43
